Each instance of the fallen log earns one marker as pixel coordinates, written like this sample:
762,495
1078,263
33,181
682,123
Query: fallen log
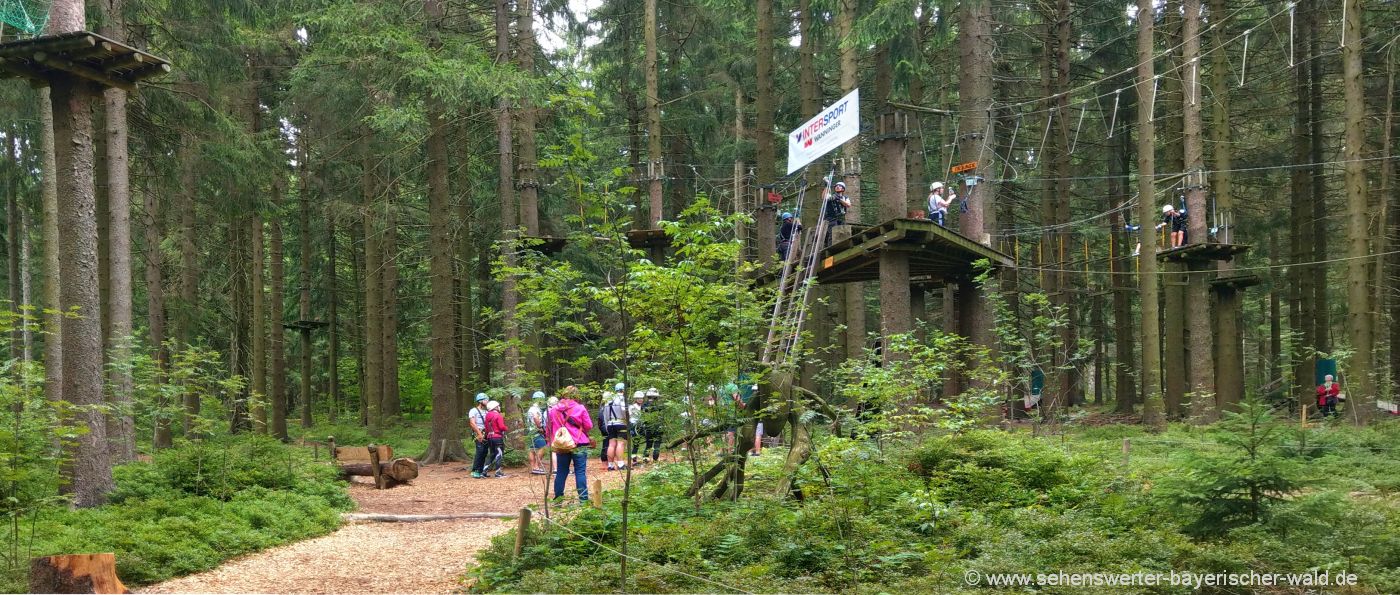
351,517
394,472
75,573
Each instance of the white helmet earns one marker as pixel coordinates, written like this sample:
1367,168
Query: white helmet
652,392
493,406
1166,209
936,186
639,395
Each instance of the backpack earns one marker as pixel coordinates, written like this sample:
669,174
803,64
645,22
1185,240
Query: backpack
612,415
563,440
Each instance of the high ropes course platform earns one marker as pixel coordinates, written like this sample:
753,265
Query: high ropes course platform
936,254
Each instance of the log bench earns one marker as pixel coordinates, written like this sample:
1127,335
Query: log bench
375,461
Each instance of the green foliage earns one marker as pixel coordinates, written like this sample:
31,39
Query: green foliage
914,516
1243,484
194,507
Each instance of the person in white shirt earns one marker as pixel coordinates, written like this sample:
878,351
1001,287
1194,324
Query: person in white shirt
534,427
938,203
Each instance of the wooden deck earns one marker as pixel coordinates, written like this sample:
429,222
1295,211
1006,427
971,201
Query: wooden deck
936,254
1202,252
81,54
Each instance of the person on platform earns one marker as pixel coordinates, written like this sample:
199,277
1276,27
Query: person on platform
1175,222
837,203
787,232
1327,394
938,203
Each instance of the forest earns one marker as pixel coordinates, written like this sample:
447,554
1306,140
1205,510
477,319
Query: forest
856,296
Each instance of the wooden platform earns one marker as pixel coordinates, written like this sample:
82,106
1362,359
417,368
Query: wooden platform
544,244
1235,281
643,239
305,324
80,54
1202,252
936,254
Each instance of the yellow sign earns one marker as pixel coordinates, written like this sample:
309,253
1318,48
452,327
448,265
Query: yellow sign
962,167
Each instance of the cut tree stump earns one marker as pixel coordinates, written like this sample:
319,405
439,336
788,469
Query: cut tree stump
395,472
75,573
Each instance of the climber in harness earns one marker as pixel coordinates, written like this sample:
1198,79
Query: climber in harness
938,204
835,210
786,233
1176,222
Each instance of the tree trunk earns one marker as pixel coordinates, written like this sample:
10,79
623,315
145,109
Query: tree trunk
653,109
527,159
392,405
853,297
12,241
1360,383
401,470
445,437
1147,258
1321,237
1125,389
332,314
372,389
155,310
765,157
277,343
258,407
53,317
189,269
81,335
304,278
1302,307
510,297
1201,346
976,142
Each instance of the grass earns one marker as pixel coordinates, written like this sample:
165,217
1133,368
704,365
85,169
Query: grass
914,516
190,509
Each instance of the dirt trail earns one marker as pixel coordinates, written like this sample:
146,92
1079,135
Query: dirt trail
376,557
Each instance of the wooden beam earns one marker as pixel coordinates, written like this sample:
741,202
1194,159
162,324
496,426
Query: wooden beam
103,47
35,80
56,45
123,61
82,71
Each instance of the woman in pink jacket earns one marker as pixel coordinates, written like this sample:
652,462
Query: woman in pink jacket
573,416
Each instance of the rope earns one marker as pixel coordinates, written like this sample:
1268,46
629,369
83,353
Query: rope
636,559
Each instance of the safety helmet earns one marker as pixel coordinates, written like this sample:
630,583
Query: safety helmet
493,406
1166,209
638,396
481,397
841,185
935,186
652,392
787,216
620,387
552,402
538,396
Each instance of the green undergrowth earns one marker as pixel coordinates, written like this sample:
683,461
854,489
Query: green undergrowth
914,517
193,507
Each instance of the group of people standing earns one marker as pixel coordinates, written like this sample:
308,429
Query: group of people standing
563,425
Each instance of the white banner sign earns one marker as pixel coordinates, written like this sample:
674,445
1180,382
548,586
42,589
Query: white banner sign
828,130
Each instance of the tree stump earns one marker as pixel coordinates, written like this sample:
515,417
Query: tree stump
75,573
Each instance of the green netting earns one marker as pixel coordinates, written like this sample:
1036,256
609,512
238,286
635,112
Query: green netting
29,16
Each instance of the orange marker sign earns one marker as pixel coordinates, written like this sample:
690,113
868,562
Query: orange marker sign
962,167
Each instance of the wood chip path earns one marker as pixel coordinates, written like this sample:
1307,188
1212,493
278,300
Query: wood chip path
377,557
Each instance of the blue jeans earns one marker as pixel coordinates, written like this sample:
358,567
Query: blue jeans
579,458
